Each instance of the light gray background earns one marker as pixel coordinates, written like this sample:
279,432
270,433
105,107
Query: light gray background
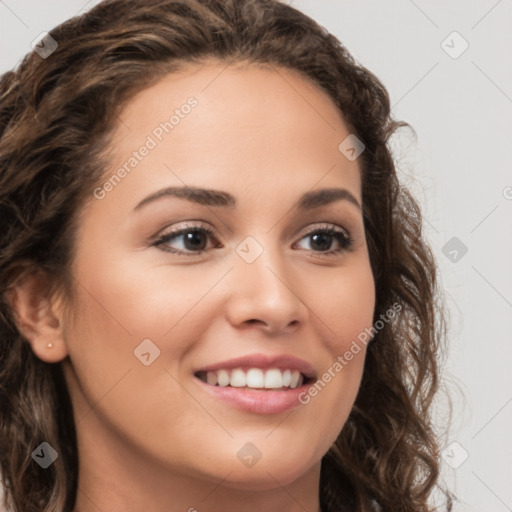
459,168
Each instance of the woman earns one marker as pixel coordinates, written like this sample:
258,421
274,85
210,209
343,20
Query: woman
215,294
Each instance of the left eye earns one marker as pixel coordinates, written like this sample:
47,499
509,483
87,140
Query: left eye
322,239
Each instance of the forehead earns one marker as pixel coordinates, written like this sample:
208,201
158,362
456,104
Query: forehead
243,124
236,83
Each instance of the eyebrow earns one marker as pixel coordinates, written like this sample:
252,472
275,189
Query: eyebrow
209,197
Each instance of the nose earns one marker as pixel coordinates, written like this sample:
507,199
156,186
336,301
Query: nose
266,294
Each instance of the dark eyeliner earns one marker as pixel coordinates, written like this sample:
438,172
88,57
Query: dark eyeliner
343,238
166,237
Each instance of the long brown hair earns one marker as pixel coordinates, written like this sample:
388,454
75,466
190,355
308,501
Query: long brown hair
56,115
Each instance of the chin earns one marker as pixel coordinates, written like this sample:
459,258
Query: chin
262,481
277,470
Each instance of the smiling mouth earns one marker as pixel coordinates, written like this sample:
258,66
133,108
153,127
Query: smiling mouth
255,378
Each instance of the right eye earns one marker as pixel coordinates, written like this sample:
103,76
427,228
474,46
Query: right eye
192,239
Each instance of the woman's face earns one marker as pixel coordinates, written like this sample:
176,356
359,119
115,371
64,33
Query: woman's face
250,274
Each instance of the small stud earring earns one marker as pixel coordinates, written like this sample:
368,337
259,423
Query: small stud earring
50,345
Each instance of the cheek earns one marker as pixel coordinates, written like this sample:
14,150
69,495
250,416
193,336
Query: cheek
348,304
122,299
115,309
153,293
120,303
345,310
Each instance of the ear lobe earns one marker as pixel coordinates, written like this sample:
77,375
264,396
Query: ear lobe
36,317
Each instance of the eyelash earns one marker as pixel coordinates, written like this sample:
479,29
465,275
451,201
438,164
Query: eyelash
342,236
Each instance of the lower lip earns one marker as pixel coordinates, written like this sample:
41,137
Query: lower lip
255,400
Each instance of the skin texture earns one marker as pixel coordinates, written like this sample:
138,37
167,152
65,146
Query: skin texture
149,437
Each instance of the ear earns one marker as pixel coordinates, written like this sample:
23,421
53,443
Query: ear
37,318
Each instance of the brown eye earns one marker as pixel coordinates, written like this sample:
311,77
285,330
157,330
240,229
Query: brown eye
188,240
322,239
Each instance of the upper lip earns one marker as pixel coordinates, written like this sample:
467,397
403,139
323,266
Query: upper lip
263,361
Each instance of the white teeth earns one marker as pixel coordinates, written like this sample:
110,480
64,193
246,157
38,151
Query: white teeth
272,378
255,378
295,379
222,378
237,379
